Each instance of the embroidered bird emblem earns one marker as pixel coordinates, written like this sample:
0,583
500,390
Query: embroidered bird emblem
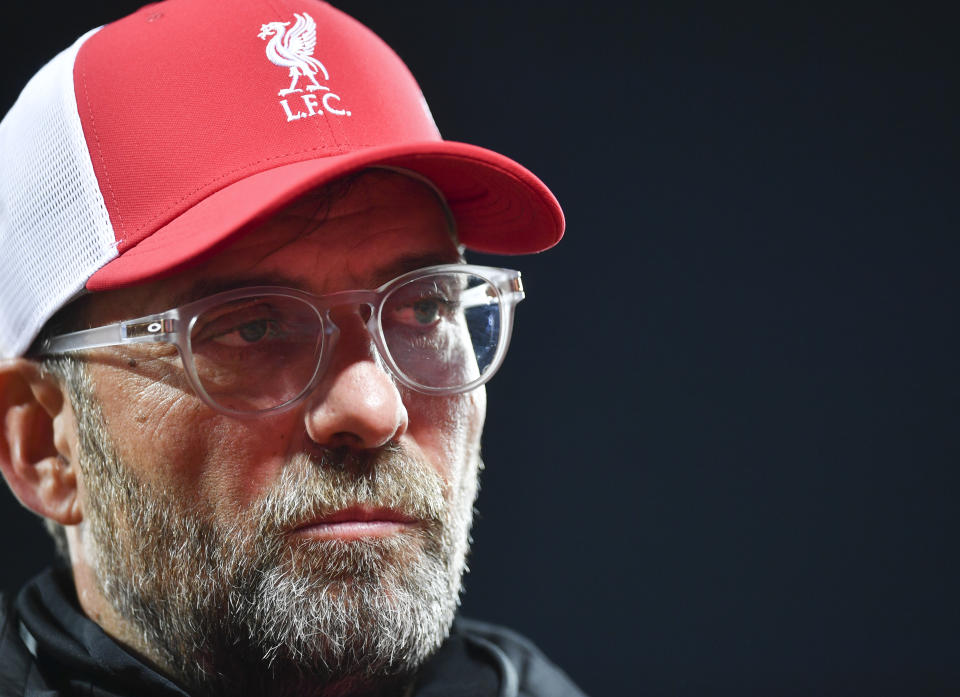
294,50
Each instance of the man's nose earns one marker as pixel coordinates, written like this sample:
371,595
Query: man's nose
357,403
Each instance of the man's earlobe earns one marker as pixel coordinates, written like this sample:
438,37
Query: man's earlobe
38,441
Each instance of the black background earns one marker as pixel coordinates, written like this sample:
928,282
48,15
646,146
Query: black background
722,455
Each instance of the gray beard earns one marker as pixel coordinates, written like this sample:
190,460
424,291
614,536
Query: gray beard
246,610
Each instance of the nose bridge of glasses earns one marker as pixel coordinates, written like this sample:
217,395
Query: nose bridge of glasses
349,303
351,311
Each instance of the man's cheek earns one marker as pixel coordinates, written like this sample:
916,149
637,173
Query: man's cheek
242,459
447,430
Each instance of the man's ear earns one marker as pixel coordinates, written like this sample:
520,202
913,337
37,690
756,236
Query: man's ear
38,441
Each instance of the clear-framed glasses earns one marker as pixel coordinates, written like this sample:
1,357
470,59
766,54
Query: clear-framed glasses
439,330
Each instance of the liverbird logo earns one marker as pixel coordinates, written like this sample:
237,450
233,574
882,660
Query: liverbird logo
294,50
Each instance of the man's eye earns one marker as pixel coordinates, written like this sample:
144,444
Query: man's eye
248,333
425,312
253,331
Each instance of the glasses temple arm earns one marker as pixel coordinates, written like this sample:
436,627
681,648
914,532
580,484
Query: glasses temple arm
148,329
479,296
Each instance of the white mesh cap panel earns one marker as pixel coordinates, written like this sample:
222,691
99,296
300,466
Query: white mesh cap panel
54,227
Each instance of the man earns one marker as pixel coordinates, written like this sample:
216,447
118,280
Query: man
244,362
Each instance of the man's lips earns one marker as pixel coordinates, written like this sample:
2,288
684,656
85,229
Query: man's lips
356,522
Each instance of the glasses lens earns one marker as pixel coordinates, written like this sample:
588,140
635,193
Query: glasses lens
256,353
443,330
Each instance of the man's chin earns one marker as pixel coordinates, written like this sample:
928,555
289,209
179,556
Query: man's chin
370,559
373,606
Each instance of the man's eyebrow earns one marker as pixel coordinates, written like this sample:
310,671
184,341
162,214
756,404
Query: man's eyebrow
409,262
205,287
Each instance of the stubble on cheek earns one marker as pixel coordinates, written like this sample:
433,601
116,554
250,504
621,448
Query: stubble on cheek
449,428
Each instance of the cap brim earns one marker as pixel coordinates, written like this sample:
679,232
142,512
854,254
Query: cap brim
500,207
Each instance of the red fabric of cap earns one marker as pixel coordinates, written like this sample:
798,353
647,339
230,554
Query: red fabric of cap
191,139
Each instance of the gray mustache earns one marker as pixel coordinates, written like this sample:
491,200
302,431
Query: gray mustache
317,485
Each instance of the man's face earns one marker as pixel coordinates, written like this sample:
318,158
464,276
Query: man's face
227,545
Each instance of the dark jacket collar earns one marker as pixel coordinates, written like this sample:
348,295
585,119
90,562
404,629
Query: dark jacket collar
73,652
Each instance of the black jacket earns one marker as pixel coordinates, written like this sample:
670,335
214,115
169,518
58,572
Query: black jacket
49,648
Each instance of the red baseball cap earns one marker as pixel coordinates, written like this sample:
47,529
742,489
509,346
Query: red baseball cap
154,139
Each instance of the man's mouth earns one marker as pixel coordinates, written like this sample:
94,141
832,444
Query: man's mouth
356,522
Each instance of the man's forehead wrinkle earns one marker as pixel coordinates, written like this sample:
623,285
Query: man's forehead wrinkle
205,287
361,200
349,230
